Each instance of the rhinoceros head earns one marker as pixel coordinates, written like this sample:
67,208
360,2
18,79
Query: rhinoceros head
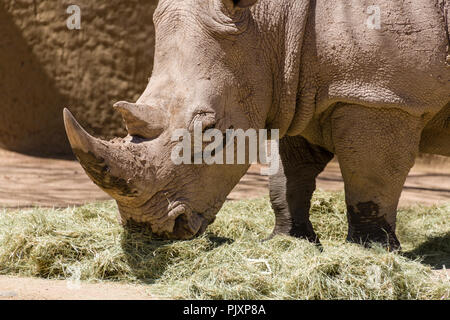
209,69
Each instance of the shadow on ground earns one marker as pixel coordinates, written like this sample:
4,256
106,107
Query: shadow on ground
149,258
435,252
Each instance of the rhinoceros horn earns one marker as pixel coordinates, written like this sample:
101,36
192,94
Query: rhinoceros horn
107,163
79,139
143,120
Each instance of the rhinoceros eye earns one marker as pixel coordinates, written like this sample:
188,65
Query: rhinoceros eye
207,120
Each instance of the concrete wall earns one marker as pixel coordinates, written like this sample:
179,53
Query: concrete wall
45,67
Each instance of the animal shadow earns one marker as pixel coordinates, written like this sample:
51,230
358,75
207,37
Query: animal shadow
435,251
149,257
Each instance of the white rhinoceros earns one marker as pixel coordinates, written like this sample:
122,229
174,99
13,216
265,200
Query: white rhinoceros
367,81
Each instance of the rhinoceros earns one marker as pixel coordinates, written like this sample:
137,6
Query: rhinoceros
365,81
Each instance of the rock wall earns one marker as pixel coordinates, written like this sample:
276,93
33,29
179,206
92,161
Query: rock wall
45,67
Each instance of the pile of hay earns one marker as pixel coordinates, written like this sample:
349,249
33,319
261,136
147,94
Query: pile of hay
231,261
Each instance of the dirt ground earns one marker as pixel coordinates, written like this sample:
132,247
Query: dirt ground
29,181
15,288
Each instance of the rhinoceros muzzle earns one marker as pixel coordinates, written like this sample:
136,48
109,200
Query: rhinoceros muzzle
178,221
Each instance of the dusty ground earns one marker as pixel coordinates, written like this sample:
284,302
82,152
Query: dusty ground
14,288
28,181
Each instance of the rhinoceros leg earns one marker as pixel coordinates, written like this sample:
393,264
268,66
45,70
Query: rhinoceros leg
292,187
376,148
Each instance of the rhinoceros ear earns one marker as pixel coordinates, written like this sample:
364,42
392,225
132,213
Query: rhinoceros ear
143,120
244,3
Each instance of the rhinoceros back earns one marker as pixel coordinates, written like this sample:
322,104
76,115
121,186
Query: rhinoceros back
400,63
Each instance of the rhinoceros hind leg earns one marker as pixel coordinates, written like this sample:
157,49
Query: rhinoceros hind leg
292,187
376,148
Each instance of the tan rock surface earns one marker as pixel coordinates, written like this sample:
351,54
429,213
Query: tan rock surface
45,67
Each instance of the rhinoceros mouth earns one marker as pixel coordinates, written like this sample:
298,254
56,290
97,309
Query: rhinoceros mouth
177,222
188,226
188,223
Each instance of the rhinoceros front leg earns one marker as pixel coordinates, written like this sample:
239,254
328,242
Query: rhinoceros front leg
376,148
292,187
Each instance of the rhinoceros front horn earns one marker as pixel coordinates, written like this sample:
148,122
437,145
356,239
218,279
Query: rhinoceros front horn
101,160
79,139
90,151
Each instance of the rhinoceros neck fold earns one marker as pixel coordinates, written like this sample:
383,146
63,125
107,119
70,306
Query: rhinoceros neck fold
291,24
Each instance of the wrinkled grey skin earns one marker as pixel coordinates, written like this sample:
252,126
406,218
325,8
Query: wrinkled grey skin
314,70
